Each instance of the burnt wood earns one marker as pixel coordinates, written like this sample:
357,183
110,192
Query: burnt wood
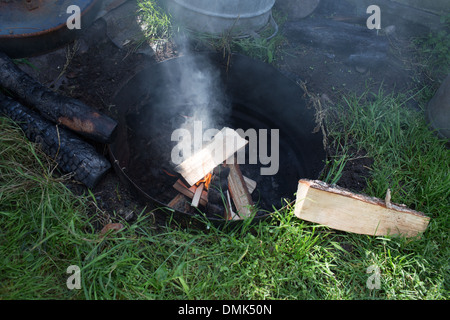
69,112
72,154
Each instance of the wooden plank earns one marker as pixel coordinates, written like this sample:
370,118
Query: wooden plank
197,195
189,192
224,145
343,210
239,192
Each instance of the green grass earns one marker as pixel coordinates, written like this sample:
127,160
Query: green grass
155,22
411,161
44,228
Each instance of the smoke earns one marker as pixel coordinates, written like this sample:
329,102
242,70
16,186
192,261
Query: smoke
194,98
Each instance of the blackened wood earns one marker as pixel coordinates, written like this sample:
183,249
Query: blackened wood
72,154
63,110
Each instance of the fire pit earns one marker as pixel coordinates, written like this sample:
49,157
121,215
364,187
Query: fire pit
197,97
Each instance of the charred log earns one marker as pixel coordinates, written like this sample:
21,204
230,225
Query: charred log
72,154
69,112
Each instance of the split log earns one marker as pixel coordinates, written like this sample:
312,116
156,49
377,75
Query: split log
69,112
72,154
343,210
239,192
197,195
224,145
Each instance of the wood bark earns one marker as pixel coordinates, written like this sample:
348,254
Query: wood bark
69,112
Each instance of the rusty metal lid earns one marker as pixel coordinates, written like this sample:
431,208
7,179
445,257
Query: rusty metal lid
30,27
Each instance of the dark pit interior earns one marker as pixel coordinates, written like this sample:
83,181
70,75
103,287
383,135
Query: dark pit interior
247,95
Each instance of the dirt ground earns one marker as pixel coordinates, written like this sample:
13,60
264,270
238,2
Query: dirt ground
94,68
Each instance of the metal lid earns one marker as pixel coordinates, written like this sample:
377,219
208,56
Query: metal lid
29,27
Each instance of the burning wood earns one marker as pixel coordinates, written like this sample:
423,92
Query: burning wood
197,195
189,192
214,184
224,145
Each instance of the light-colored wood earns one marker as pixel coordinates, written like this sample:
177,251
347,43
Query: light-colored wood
239,192
343,210
189,192
197,195
251,184
224,145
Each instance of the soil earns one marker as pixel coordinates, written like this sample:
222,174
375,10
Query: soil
93,69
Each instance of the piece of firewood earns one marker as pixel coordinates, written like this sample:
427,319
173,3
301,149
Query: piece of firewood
69,112
343,210
197,195
72,154
224,145
239,192
189,192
